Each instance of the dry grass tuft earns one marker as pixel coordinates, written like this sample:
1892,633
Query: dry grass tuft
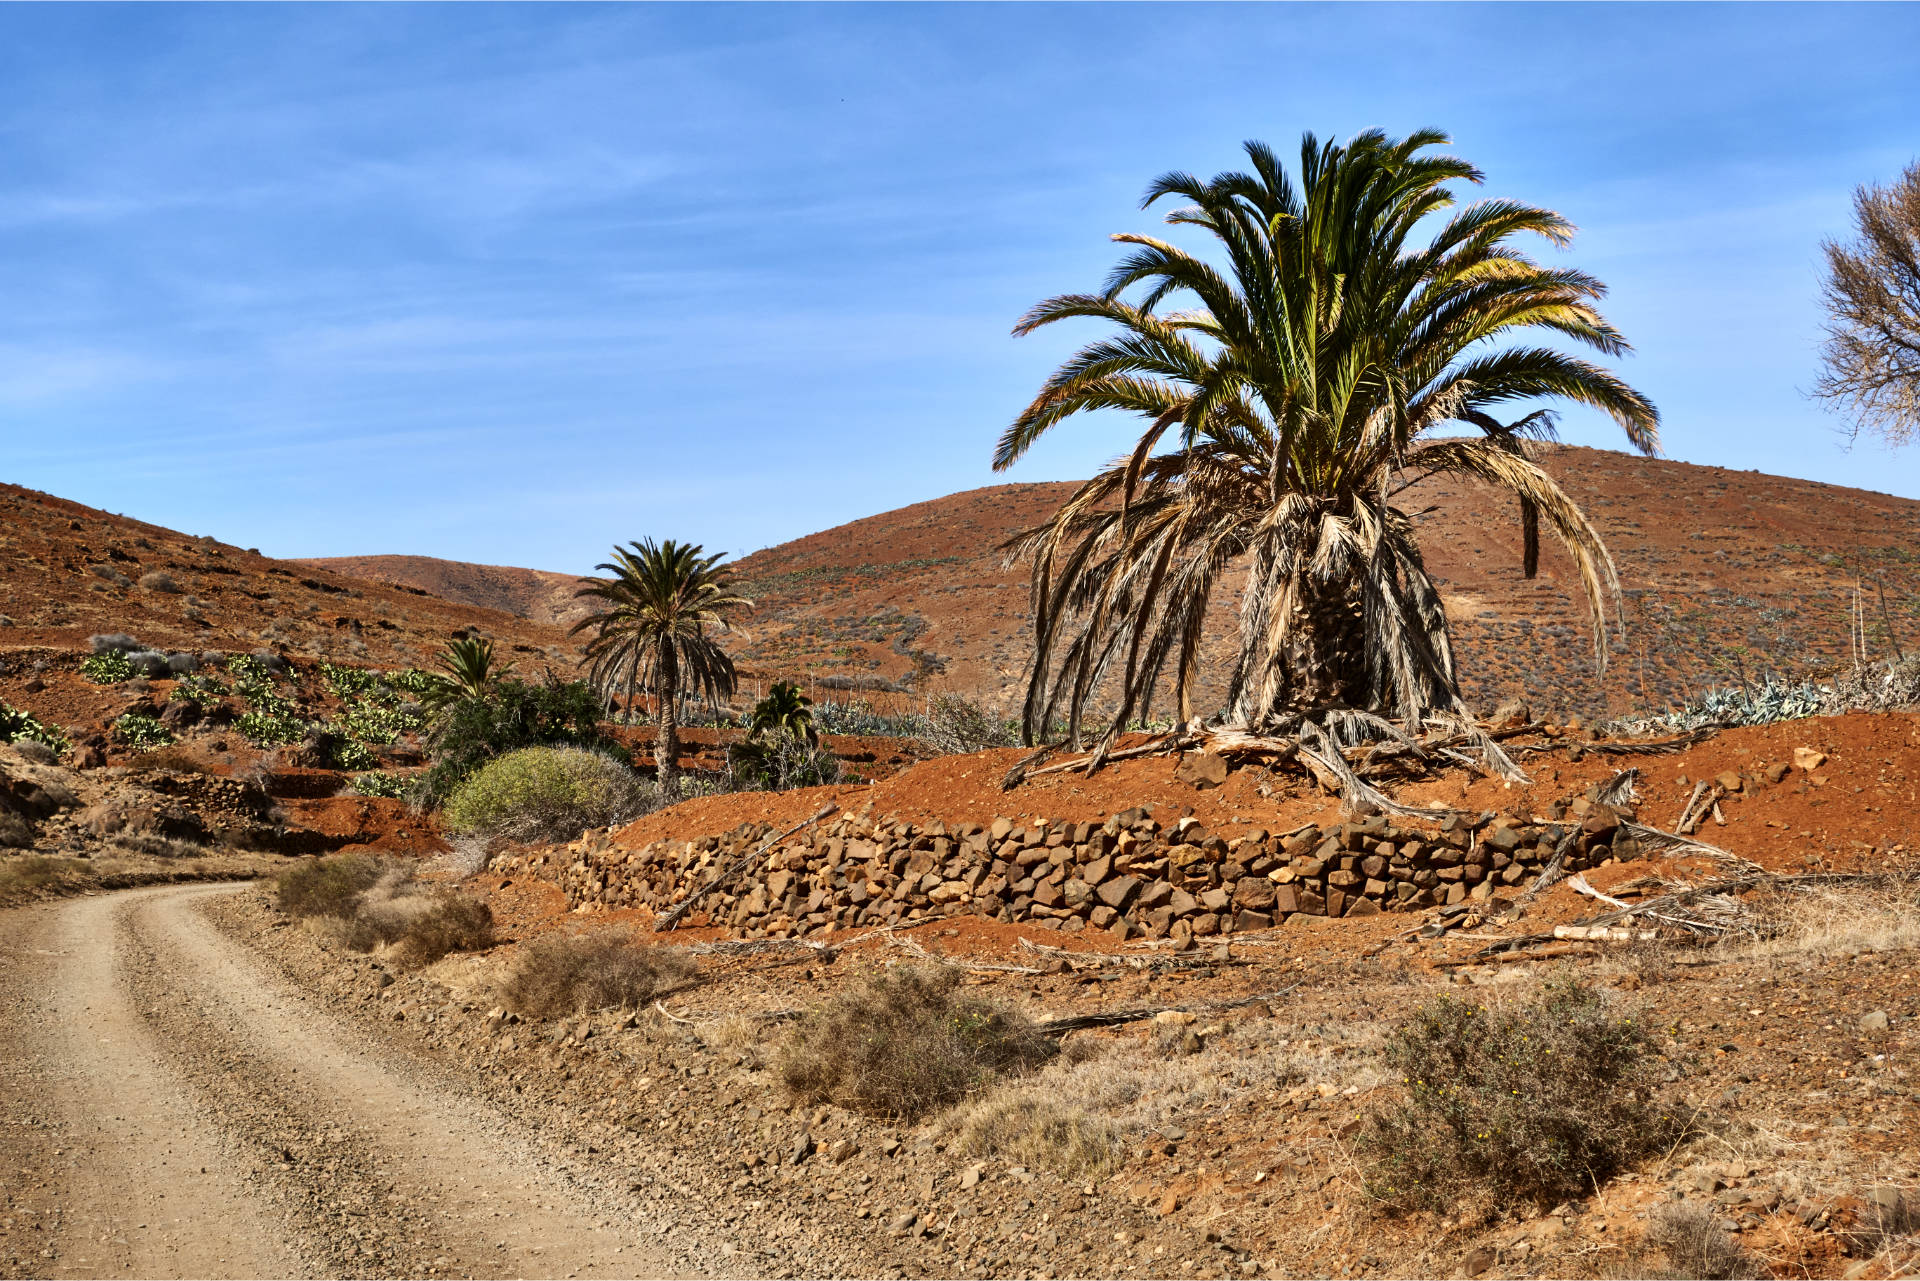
907,1043
165,847
23,876
1024,1126
1845,920
566,974
1697,1247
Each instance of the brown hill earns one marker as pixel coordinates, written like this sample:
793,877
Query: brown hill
1724,572
536,594
68,571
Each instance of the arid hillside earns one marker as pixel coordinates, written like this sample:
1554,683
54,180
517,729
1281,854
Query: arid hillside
537,594
68,571
1725,573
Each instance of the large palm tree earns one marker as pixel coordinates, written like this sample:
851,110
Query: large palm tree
663,602
1293,391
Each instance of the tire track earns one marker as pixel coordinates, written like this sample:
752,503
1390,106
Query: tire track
280,1141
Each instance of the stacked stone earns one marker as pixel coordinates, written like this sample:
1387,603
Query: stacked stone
1128,876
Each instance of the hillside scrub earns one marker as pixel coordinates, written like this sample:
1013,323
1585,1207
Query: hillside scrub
329,886
566,974
905,1044
1536,1102
511,715
546,794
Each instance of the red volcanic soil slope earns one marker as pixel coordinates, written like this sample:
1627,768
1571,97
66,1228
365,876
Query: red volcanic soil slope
537,594
69,571
1723,573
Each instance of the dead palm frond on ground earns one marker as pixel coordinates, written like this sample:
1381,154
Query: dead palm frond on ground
1294,385
664,601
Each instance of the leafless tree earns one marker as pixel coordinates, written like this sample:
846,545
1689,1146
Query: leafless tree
1872,294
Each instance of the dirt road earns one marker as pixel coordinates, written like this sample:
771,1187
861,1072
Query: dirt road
170,1108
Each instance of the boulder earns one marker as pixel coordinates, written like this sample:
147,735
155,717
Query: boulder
1201,770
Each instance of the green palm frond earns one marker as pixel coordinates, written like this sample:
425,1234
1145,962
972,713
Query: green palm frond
1290,382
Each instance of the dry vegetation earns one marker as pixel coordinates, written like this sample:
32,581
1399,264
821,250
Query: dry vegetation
370,902
906,1044
568,974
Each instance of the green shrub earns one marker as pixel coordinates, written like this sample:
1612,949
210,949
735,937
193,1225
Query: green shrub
367,721
1538,1102
330,886
349,682
566,974
16,725
511,715
270,728
779,762
413,681
545,794
907,1043
109,667
204,690
381,783
346,754
140,731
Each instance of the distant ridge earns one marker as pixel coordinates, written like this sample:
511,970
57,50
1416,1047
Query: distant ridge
1725,572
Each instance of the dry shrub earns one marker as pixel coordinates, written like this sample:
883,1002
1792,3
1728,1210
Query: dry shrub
450,923
329,886
15,831
422,925
907,1043
566,974
1697,1247
174,758
1538,1102
1024,1126
20,875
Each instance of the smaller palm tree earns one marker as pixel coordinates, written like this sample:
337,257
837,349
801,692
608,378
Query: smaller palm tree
663,600
784,708
466,671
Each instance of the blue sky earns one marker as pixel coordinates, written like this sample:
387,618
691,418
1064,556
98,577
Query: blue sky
509,284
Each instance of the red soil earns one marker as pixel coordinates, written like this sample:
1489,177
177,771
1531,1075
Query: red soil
1861,800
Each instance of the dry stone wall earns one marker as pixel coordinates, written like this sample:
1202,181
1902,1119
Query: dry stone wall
1128,876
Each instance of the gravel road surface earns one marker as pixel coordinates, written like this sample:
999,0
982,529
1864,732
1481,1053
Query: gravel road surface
170,1108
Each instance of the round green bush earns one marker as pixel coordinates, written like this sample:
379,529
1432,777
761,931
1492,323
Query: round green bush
545,794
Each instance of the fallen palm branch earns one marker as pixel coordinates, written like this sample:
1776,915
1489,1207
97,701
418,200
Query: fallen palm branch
1133,961
1139,1014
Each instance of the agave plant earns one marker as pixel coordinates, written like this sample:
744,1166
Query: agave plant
1291,400
663,602
784,708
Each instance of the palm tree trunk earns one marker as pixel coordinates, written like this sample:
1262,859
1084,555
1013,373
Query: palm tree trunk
666,745
1325,647
1313,655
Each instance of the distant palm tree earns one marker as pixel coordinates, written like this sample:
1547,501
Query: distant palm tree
1300,390
784,708
466,671
663,601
